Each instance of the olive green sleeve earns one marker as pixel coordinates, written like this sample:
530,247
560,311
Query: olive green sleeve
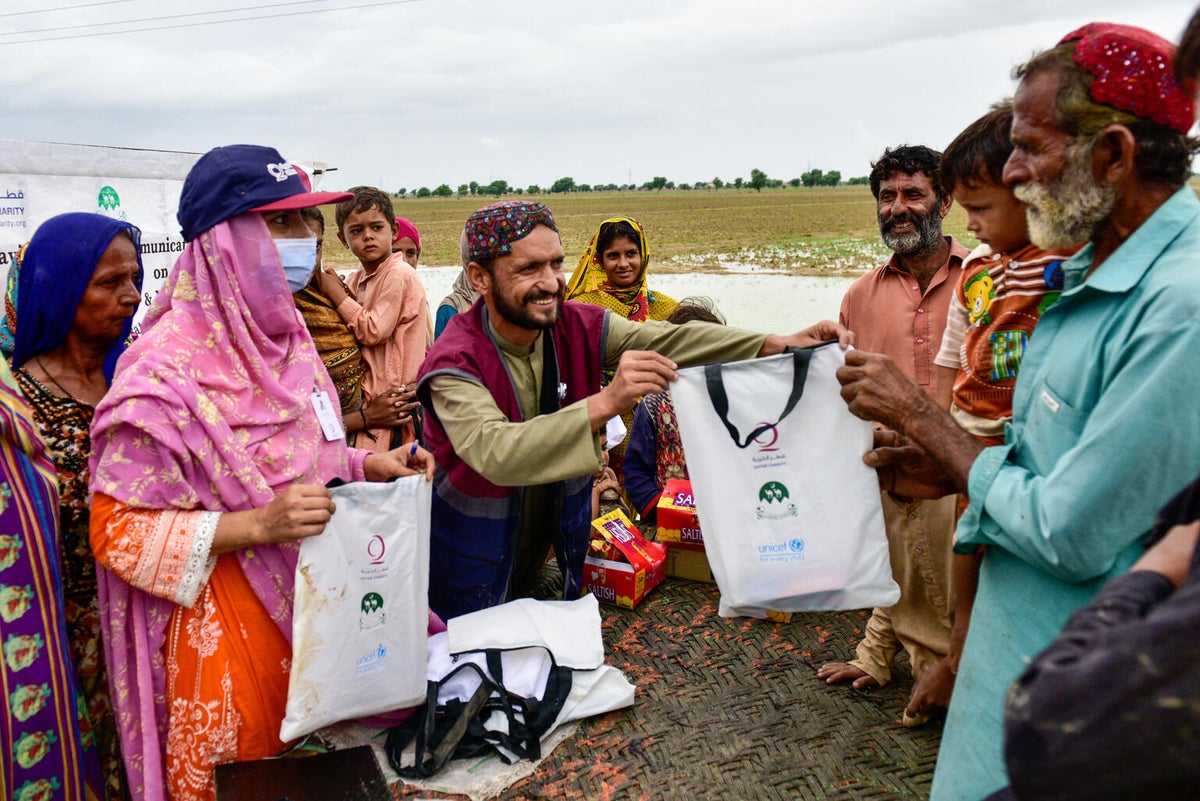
691,343
544,449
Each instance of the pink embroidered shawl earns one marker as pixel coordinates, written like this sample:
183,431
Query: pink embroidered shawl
209,410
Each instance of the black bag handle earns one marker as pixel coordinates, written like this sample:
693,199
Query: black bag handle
456,729
524,737
801,357
434,747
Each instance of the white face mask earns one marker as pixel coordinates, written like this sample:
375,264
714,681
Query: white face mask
299,257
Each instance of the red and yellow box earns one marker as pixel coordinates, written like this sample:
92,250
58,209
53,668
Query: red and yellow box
621,565
677,521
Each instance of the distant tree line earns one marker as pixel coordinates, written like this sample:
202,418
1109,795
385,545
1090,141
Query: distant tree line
818,178
758,181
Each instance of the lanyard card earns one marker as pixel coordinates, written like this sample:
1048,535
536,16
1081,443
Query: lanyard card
326,416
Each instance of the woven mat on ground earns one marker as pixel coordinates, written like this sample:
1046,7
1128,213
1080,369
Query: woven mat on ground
476,779
732,709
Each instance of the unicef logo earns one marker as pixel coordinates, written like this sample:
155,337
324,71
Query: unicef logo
796,545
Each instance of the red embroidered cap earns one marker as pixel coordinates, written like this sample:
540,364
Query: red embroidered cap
1132,70
492,230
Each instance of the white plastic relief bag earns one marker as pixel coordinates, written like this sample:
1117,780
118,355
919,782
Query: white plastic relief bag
503,679
791,515
361,615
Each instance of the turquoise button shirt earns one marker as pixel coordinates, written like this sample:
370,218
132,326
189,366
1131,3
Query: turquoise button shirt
1105,430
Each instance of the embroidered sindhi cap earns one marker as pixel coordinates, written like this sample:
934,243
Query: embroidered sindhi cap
1132,70
232,180
492,230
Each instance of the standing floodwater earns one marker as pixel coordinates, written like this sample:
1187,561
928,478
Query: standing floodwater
772,303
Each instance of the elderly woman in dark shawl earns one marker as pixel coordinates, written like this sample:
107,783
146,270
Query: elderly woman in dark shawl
79,286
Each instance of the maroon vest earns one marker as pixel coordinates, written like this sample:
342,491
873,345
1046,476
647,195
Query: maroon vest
474,523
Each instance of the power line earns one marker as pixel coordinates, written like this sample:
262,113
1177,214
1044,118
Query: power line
63,8
190,24
86,26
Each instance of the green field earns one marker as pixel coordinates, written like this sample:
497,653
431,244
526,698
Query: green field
818,231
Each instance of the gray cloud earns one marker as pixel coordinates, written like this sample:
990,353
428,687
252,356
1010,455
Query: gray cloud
459,90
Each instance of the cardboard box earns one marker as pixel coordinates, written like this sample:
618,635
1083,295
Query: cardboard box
677,520
688,562
621,565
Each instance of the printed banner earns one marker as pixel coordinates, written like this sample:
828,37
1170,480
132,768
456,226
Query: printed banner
40,179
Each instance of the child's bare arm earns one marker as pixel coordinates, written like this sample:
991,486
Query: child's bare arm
945,386
376,322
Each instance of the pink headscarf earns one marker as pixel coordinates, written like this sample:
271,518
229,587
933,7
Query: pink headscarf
209,410
405,228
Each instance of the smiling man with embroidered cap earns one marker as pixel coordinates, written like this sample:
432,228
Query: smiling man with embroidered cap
209,463
515,408
1101,434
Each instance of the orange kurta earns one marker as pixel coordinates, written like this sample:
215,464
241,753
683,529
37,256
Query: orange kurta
227,660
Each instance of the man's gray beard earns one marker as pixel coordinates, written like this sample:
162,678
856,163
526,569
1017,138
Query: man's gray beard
923,239
1067,211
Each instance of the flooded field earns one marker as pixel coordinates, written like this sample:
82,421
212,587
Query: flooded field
760,301
821,231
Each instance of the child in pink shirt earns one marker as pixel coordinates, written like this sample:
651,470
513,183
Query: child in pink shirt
389,317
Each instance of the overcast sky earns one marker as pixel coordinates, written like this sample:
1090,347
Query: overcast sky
417,93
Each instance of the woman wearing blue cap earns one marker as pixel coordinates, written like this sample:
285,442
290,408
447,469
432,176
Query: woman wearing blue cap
212,450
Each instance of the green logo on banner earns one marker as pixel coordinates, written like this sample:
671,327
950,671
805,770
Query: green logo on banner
109,200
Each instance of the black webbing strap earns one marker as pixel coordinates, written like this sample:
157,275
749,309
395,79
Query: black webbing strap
720,401
548,398
457,729
434,749
556,493
529,718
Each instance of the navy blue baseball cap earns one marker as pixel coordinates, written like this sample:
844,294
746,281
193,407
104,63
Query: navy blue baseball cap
232,180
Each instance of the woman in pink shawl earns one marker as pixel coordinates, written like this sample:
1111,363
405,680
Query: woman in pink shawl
210,456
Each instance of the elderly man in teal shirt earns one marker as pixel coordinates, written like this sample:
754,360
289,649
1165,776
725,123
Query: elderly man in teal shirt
1103,432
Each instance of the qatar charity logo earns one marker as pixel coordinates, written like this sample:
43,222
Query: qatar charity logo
376,549
770,453
282,171
766,437
774,502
